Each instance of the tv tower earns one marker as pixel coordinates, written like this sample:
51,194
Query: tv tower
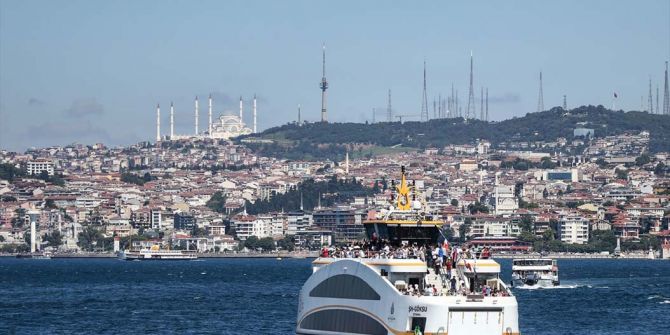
324,87
651,99
540,99
470,112
487,104
666,93
389,111
197,116
299,121
565,102
481,105
424,98
241,112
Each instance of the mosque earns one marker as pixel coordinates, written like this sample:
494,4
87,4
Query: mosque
224,127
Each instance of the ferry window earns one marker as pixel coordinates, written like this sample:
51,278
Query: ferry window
342,321
344,286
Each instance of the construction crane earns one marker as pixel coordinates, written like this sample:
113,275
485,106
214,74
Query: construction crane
406,116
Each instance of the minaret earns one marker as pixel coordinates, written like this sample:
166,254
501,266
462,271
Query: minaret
540,99
424,97
470,112
197,116
255,129
324,87
241,115
158,122
666,93
346,163
209,114
171,120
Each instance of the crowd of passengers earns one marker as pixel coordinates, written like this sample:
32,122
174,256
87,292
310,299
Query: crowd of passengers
438,257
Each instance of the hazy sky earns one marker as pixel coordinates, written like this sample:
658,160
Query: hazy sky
93,71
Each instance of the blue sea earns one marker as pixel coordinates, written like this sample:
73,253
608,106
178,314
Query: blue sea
259,296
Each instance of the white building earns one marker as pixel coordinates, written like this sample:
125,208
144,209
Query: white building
37,166
249,225
573,229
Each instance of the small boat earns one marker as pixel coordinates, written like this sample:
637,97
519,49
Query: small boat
156,254
541,272
36,255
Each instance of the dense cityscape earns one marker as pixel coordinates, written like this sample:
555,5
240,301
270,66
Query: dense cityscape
217,196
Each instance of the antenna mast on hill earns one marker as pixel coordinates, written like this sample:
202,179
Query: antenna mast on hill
666,93
470,112
540,99
389,111
424,98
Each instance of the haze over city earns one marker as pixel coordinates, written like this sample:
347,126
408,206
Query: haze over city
86,72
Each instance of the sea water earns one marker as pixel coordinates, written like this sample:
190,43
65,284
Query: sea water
260,296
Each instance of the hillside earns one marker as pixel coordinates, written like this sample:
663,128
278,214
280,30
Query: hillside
321,140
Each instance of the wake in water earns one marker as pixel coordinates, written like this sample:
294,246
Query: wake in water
665,301
537,287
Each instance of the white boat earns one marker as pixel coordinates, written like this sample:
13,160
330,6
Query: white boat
541,272
155,253
381,294
36,255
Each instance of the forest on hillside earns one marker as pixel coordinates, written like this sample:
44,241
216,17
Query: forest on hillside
320,140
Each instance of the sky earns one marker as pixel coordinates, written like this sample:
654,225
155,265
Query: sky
93,71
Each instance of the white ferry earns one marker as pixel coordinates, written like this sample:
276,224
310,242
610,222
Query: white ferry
541,272
155,253
382,294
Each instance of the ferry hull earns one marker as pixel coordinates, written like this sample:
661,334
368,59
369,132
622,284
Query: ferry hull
367,303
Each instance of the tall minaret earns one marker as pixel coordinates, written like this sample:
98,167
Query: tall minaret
171,120
241,114
158,122
324,86
209,112
540,99
346,164
197,115
471,111
255,129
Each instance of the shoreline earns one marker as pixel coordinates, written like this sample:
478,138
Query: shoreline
200,255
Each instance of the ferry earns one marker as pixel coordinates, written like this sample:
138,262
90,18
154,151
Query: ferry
395,290
36,255
155,253
540,272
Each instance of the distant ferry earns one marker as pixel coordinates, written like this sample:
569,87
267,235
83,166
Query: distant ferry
37,255
391,289
156,254
541,272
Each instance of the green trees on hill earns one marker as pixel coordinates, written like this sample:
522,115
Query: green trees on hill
332,191
217,202
320,140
